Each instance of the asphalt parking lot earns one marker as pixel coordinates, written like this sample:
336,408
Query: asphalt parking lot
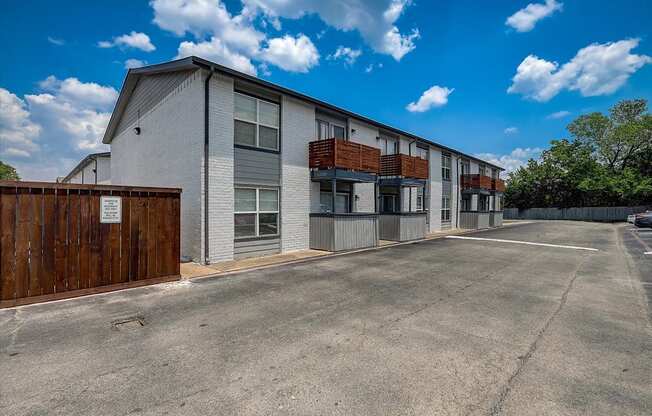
442,327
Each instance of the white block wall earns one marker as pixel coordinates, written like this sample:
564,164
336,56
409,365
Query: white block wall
456,166
221,194
297,130
435,190
168,153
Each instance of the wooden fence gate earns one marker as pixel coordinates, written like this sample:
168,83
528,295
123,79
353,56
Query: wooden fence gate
66,240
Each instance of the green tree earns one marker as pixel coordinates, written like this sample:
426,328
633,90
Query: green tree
608,162
618,137
8,172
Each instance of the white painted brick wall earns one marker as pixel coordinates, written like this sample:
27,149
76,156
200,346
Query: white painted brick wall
220,167
456,165
297,130
435,189
168,153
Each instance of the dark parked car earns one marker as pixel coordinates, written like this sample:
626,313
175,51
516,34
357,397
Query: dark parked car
644,220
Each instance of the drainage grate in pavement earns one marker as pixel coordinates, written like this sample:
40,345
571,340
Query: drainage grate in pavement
127,324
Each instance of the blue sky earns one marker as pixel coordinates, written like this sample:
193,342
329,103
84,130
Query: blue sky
498,79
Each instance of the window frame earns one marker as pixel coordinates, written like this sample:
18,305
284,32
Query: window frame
258,124
329,193
444,168
258,211
445,210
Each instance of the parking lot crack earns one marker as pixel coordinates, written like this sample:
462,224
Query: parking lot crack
496,408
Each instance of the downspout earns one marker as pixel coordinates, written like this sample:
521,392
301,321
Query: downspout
459,192
95,171
206,167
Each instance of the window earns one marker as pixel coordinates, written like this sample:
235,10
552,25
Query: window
256,122
466,167
494,174
321,130
419,199
498,203
446,167
482,170
389,202
422,153
445,208
483,203
466,203
327,130
341,202
256,212
339,132
388,145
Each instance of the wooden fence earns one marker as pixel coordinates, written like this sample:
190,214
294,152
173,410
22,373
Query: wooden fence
54,245
603,214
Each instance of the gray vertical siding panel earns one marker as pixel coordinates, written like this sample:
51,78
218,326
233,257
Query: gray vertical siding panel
339,233
149,91
322,233
469,220
483,220
389,227
256,248
256,168
396,227
413,227
356,232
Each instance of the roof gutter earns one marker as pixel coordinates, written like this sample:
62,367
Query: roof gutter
206,166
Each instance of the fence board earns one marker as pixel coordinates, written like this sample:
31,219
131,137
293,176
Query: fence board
7,243
36,243
53,246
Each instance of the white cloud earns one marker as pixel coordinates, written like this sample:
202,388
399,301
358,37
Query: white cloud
217,51
513,160
435,96
525,19
231,40
134,63
56,41
558,114
18,133
511,130
375,20
134,39
348,55
372,66
83,94
45,133
598,69
291,54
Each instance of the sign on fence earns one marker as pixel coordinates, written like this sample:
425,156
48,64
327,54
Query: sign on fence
110,209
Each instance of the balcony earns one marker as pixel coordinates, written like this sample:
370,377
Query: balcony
341,154
404,166
498,185
476,181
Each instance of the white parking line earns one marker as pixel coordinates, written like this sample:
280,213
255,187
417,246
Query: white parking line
498,240
648,252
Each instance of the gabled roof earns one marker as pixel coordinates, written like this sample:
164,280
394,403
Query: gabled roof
192,62
85,161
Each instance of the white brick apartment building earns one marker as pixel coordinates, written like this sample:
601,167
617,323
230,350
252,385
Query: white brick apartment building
239,148
94,169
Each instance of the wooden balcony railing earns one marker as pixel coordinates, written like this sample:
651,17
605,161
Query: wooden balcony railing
342,154
475,181
498,185
404,165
